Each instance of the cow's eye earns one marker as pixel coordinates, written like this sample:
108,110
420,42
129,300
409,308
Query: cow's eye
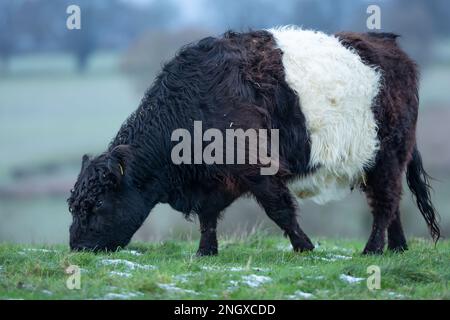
98,204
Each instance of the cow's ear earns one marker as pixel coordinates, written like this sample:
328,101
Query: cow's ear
122,156
85,161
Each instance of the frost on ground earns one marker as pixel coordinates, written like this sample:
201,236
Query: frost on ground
123,295
333,249
120,274
25,250
254,280
395,294
171,287
350,279
183,278
47,292
315,277
300,295
132,252
234,269
128,264
233,285
332,257
284,247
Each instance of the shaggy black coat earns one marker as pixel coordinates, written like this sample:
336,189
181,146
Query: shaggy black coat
238,81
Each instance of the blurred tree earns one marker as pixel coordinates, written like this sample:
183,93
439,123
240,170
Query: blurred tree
40,25
143,60
6,34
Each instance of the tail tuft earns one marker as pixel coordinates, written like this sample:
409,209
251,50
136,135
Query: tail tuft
419,184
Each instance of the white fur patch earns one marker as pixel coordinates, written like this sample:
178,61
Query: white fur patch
336,90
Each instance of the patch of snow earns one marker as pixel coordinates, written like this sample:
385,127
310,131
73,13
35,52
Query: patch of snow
254,280
47,292
350,279
209,268
284,247
171,287
301,295
236,269
128,264
332,257
395,294
120,274
23,251
340,257
123,295
183,278
345,250
315,277
261,269
233,269
26,286
133,252
233,285
83,270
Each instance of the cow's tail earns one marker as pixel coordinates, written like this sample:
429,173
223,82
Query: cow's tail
419,184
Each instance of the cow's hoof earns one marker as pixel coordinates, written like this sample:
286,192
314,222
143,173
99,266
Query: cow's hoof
206,252
304,248
398,248
372,251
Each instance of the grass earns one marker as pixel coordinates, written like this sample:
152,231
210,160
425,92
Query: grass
259,267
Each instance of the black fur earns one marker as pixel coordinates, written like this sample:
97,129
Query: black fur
238,81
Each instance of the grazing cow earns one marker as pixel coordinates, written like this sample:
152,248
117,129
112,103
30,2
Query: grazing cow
345,107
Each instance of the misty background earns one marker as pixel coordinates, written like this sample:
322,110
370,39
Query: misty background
65,92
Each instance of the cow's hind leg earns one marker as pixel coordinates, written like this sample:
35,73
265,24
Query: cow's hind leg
279,205
396,236
383,190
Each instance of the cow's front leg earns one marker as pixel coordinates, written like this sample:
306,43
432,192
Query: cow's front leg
279,205
208,240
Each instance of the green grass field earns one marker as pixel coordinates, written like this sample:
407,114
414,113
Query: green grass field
259,267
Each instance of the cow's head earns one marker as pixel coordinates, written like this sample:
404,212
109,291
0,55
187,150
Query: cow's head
108,203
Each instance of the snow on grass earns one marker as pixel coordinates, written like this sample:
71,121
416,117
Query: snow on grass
26,286
284,247
171,287
315,277
120,274
47,292
132,252
332,257
233,284
350,279
25,250
183,278
254,280
234,269
333,249
128,264
395,295
300,295
287,247
122,296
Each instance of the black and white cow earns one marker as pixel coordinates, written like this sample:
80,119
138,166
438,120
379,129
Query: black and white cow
345,107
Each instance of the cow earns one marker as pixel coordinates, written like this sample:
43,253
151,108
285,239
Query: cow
345,107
